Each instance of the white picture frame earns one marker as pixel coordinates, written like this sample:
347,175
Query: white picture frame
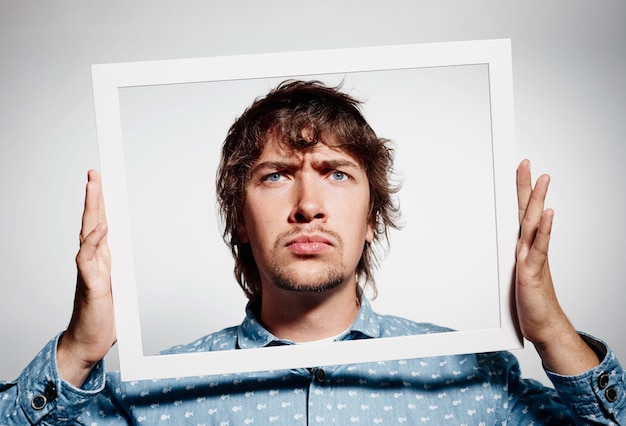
111,82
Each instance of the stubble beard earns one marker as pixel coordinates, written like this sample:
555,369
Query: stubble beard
329,279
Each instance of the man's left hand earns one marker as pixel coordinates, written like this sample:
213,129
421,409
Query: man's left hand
541,319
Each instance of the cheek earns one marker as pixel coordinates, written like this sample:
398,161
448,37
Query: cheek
357,234
260,233
361,215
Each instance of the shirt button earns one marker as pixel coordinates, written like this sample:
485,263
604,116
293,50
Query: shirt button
38,402
320,375
603,380
611,394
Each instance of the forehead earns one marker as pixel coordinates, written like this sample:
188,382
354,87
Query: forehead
277,149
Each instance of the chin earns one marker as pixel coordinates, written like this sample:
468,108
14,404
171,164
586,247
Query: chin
322,283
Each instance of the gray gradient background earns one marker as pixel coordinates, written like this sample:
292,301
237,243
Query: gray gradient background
569,60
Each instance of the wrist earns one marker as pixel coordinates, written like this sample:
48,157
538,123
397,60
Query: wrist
567,354
73,368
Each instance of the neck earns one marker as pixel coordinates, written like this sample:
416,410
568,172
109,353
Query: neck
304,317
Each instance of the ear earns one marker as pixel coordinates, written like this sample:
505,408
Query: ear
241,233
369,232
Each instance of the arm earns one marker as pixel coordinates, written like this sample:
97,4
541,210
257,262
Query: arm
91,331
541,318
67,374
584,371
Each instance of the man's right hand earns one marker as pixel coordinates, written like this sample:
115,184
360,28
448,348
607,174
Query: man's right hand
91,331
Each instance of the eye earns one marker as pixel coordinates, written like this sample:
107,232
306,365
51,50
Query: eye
274,177
338,175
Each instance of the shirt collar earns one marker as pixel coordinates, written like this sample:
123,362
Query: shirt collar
251,334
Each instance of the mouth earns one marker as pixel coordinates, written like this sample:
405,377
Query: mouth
309,244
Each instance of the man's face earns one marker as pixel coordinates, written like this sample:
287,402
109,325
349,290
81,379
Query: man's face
306,217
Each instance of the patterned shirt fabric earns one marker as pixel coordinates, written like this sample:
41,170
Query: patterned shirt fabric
475,389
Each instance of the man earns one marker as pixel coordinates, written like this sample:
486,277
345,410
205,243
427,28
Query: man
304,191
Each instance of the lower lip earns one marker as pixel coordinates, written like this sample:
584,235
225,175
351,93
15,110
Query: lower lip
310,248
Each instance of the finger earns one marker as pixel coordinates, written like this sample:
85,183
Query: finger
90,244
524,188
534,210
93,212
96,178
538,253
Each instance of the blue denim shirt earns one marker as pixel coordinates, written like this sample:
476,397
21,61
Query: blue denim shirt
465,389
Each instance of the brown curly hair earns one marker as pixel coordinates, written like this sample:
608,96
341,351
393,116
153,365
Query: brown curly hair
300,114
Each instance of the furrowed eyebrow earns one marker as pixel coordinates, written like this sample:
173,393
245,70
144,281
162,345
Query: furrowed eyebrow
273,165
336,164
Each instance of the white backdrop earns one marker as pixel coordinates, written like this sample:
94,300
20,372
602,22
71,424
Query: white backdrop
570,98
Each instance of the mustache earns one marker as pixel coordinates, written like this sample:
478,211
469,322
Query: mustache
284,237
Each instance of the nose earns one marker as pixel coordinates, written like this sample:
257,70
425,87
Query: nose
309,201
